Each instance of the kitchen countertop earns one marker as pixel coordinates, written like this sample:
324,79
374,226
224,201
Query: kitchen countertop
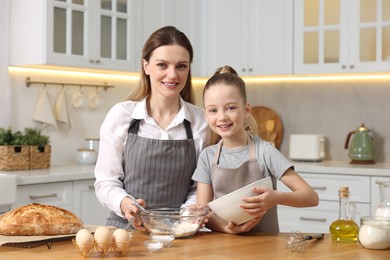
208,246
55,173
344,167
74,172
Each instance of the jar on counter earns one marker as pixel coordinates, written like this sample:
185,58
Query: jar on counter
92,144
86,156
374,232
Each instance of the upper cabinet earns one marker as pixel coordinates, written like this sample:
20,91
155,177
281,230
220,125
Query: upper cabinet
341,36
75,33
184,15
252,36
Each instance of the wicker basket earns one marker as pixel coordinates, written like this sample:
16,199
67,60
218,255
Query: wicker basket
40,156
14,157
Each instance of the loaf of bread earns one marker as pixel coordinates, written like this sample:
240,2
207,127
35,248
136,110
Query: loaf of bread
39,220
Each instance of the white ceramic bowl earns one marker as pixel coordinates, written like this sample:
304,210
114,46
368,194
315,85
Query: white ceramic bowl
228,207
86,156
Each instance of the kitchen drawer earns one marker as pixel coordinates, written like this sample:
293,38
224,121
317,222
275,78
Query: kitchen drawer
315,219
56,194
327,186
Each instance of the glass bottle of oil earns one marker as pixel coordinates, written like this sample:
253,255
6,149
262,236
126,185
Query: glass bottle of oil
344,229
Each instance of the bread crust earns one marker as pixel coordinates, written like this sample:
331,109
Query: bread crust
39,220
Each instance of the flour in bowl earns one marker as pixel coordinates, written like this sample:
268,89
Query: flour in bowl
184,229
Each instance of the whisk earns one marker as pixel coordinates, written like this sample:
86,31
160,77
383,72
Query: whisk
297,241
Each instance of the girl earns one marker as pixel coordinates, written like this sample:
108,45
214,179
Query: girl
241,158
150,143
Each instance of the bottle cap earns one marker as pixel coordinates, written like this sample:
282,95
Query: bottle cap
344,191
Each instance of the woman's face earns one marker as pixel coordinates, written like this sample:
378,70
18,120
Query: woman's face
168,69
225,111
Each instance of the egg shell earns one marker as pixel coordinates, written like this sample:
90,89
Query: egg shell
122,240
84,240
103,238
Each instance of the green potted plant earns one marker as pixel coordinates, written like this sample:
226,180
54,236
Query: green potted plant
14,152
40,149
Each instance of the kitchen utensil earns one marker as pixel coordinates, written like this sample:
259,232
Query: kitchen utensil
78,98
361,147
228,207
183,222
93,99
269,124
383,208
297,241
374,232
86,156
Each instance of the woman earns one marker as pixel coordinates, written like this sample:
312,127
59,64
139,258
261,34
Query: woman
149,144
241,158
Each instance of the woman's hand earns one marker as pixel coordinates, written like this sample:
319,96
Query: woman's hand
232,228
131,212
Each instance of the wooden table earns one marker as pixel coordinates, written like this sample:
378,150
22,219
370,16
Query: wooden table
208,246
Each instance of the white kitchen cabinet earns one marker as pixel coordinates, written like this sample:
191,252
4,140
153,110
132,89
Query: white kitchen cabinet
57,194
184,15
73,33
341,36
318,219
375,194
86,205
253,36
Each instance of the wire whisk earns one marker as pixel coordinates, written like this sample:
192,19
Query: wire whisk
297,241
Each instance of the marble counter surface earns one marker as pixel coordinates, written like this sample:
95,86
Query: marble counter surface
344,167
56,173
74,172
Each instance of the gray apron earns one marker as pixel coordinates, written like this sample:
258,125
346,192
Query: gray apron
225,180
158,171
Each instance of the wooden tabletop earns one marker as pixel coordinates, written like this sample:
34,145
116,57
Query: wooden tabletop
207,246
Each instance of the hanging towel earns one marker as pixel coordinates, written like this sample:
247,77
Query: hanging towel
61,111
43,112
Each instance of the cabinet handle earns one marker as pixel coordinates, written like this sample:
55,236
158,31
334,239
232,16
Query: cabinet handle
97,61
343,67
313,219
91,61
243,70
250,70
352,66
319,187
33,197
91,187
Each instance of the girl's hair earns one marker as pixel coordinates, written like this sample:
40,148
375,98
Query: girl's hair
228,76
164,36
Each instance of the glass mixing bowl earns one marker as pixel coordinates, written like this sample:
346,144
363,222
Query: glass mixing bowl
182,222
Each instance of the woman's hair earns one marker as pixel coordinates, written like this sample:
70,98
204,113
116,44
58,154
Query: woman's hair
164,36
228,76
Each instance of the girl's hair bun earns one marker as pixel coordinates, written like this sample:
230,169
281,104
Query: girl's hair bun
225,69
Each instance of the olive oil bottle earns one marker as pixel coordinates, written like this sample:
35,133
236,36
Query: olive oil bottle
344,229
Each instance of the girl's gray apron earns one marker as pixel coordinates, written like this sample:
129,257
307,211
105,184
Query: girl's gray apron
226,180
158,171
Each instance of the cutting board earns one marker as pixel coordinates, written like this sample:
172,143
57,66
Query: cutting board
269,125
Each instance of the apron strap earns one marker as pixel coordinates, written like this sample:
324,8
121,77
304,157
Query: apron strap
134,127
252,154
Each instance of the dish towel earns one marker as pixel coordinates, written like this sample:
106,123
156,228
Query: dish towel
61,112
43,112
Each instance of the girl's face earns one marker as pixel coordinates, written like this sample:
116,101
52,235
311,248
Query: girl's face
168,68
226,112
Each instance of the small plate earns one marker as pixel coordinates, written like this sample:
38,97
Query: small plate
228,207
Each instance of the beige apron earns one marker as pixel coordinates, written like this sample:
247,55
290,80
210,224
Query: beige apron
225,180
158,171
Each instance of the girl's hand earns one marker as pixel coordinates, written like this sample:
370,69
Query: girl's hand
131,212
232,228
258,205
